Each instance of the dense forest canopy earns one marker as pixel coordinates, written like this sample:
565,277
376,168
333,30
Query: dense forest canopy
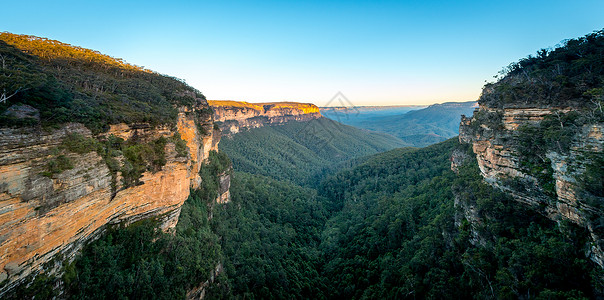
302,151
569,75
396,235
66,83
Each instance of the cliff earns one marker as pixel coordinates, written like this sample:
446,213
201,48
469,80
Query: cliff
541,140
45,217
89,141
556,186
234,116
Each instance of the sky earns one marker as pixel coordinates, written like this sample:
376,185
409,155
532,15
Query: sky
373,52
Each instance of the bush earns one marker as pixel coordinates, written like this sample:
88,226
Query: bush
180,145
80,144
57,165
141,157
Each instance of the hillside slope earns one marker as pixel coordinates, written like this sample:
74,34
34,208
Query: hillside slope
300,151
65,83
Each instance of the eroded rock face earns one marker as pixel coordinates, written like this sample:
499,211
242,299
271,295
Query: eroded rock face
199,292
224,185
493,136
42,216
233,116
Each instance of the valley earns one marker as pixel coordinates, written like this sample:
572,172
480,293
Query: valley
119,182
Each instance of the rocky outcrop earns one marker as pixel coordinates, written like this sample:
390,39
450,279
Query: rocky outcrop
494,134
234,116
43,217
199,292
224,185
458,158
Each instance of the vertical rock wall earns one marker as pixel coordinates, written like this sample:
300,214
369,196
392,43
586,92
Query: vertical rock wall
493,135
42,217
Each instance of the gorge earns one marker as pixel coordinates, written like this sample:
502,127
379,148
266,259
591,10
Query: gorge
119,182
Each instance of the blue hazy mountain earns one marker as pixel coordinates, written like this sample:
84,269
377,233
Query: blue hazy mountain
416,125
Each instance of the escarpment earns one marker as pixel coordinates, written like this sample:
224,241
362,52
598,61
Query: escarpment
45,215
89,141
234,116
511,155
538,135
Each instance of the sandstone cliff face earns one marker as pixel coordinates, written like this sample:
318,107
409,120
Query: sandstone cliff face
224,185
233,116
494,133
48,217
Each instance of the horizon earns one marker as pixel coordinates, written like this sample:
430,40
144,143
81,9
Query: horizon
357,106
377,54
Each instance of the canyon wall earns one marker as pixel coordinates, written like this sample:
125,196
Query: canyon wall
234,116
47,218
555,187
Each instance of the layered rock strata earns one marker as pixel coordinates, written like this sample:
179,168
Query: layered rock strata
493,135
234,116
46,217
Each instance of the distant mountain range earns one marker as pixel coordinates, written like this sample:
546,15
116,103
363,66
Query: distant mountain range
357,115
416,125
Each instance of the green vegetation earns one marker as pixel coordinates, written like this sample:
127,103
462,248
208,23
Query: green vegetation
141,262
302,151
210,184
180,145
570,75
57,165
593,178
492,119
531,149
591,189
270,235
384,228
553,134
72,84
395,237
141,157
312,216
80,144
72,143
41,287
138,156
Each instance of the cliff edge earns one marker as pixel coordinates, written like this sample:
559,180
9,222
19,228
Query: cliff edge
538,135
88,141
234,116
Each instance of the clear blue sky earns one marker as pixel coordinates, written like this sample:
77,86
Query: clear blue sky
375,52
